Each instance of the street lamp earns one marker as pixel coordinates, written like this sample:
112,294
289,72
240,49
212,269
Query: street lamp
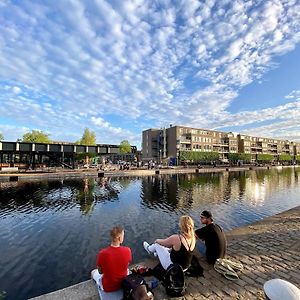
160,156
177,154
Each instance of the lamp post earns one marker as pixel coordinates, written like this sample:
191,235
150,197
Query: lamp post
160,156
177,154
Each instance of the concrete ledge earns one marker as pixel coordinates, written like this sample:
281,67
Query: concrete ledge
84,291
268,249
128,173
9,169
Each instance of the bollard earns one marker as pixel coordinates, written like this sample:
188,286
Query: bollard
157,172
197,170
13,178
100,174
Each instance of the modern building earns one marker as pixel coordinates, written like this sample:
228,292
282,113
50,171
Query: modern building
166,143
22,155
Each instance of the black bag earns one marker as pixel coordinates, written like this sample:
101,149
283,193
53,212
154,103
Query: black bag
134,287
174,281
159,272
195,269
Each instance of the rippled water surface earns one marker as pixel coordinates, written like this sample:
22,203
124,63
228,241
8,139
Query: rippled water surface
51,231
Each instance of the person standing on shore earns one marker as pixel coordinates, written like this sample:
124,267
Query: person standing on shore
212,240
112,262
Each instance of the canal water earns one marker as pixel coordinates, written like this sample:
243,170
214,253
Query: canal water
51,231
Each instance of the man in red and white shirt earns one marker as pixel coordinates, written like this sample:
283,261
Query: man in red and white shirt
112,262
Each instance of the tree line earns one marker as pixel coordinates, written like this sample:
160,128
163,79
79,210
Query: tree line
88,139
208,157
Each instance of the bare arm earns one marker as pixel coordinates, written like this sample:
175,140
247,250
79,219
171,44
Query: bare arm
171,241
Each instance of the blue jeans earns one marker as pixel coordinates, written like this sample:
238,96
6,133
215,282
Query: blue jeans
201,247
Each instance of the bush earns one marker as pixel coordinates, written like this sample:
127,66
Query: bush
285,157
198,157
265,157
235,157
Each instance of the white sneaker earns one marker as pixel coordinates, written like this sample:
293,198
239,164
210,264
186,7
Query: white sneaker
146,247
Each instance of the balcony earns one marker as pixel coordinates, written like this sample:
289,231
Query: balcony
185,141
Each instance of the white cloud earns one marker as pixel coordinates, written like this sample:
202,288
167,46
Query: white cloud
16,90
76,64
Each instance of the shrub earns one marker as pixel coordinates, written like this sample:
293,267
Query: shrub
265,157
285,157
234,157
198,157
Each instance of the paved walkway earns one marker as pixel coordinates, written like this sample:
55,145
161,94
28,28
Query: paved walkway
268,249
136,172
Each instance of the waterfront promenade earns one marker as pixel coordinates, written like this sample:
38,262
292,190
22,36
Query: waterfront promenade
59,173
268,249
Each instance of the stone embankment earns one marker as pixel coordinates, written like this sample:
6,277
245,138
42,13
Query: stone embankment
268,249
62,173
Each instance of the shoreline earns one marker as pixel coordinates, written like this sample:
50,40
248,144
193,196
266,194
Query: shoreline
129,173
268,249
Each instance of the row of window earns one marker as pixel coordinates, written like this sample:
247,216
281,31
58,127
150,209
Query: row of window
199,132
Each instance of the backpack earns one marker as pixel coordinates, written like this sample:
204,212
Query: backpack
174,281
134,287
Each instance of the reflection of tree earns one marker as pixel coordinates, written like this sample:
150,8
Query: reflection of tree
160,191
163,191
236,184
16,194
190,180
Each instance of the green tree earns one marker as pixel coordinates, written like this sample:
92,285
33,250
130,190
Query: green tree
88,138
285,157
264,157
235,157
125,147
198,157
1,137
36,136
297,157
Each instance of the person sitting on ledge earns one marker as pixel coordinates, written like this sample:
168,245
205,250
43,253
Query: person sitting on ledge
177,248
112,262
212,240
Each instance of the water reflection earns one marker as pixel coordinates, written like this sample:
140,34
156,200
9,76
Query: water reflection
51,230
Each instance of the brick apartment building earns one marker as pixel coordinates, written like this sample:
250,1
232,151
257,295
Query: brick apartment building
166,143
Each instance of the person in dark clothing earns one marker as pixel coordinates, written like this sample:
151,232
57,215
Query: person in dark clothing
212,240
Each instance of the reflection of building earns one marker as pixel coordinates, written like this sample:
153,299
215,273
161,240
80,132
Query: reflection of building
158,144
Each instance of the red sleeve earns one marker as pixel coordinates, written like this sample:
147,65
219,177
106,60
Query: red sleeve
99,259
130,255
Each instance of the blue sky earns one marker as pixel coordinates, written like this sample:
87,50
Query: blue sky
119,67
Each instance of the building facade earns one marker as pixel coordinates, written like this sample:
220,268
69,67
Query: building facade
167,143
22,154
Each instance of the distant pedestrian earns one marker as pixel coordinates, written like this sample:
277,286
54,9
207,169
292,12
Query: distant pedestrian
212,240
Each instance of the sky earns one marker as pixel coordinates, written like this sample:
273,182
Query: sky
120,67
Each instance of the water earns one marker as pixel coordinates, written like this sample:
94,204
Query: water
52,230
